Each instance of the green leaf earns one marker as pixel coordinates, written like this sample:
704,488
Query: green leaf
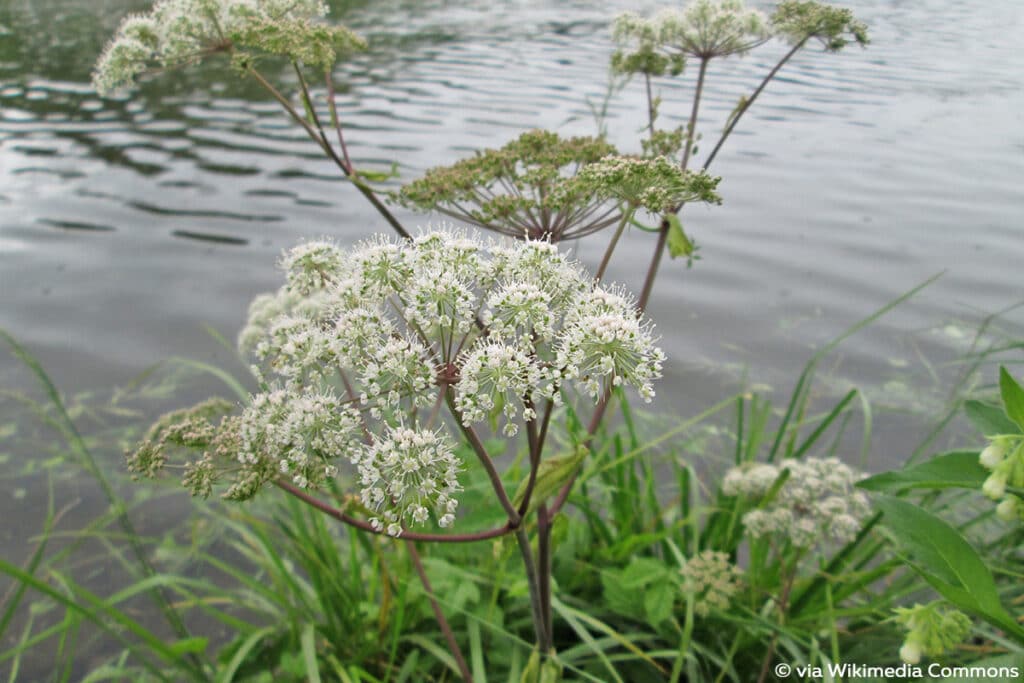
196,645
988,419
1013,397
641,572
658,602
947,561
678,243
955,469
552,474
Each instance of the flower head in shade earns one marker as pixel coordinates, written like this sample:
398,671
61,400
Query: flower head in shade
711,579
657,185
179,32
816,501
834,27
363,347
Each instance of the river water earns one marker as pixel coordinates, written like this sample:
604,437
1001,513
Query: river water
128,225
854,178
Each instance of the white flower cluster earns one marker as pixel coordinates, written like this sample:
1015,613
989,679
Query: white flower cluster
712,28
401,328
406,474
1004,458
704,29
178,32
816,502
301,435
711,579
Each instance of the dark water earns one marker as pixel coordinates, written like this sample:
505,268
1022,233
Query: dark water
127,225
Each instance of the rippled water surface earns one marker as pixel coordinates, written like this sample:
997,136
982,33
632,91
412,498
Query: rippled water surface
127,225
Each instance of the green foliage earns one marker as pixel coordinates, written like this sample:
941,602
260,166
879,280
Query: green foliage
522,188
947,561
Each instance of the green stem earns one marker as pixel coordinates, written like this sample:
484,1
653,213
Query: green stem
684,641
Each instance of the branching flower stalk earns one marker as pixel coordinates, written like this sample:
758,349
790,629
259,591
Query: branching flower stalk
709,29
179,33
364,347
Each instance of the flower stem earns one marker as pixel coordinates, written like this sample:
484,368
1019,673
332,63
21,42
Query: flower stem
611,245
321,140
746,105
341,516
544,568
532,582
659,248
446,628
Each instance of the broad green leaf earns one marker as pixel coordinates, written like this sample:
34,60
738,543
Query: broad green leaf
678,243
658,602
1013,397
947,561
552,474
642,571
988,419
955,469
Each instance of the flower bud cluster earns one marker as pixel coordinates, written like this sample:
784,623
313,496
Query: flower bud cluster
816,501
1004,459
656,185
179,32
712,580
932,629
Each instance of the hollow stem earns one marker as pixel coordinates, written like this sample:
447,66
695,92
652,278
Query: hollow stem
746,105
659,247
533,583
336,120
612,244
544,568
321,140
442,622
650,105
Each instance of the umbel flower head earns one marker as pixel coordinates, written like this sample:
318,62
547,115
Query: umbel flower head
707,29
712,581
817,502
179,32
638,48
544,187
519,190
834,27
365,346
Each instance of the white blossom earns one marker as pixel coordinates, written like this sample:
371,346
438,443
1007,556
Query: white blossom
402,328
406,473
817,502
